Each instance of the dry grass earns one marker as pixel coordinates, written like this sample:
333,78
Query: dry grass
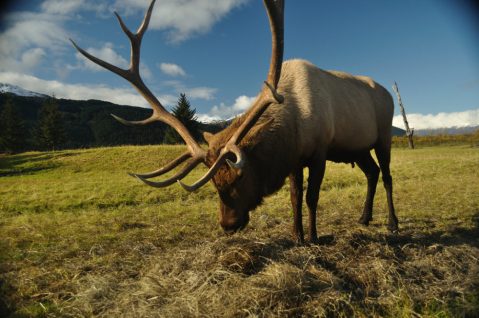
359,273
80,239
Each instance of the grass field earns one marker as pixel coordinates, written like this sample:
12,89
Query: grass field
79,237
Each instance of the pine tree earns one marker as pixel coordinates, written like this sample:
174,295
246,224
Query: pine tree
187,116
50,133
12,129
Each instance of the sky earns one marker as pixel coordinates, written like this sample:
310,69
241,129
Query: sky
218,51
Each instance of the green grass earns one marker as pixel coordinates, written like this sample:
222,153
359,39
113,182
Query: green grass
79,237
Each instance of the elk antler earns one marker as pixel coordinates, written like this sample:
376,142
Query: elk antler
275,9
132,75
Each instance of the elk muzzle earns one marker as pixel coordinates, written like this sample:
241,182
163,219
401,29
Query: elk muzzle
232,220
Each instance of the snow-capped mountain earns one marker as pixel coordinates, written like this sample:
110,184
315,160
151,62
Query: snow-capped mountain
17,90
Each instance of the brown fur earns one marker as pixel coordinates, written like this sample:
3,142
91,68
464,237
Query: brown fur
325,116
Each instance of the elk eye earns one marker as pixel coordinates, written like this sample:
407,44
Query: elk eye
239,174
239,177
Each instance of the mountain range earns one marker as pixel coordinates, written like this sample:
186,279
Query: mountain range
446,131
17,90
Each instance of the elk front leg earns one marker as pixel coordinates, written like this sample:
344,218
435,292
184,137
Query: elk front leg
316,174
296,192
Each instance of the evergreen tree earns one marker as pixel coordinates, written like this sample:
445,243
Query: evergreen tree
50,133
12,129
187,116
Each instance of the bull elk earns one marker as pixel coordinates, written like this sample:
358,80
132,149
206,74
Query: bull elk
302,117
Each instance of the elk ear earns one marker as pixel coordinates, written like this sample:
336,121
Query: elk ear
207,136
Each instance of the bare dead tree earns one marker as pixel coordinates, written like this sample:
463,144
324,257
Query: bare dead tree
409,132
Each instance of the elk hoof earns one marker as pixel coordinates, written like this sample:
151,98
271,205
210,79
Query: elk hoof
298,239
393,229
314,241
365,219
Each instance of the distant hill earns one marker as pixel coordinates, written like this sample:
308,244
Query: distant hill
17,90
446,131
88,123
398,132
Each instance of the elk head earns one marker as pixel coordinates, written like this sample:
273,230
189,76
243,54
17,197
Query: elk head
227,159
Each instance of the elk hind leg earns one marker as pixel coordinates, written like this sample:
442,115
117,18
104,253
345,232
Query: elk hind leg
383,152
367,164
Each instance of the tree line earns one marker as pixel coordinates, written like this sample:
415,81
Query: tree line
35,123
48,134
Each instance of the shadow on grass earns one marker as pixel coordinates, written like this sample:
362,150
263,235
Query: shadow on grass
451,235
7,288
356,271
5,309
30,163
242,255
256,256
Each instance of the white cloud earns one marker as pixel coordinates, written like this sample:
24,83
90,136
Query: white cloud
182,18
440,120
61,6
222,112
28,38
32,29
32,38
69,7
168,100
106,53
145,71
121,96
172,69
206,93
32,57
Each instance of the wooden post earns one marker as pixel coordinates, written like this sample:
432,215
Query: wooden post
409,132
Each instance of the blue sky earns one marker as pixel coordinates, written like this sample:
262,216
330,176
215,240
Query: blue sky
217,51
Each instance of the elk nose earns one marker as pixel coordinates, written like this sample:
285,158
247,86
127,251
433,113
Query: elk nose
231,228
229,231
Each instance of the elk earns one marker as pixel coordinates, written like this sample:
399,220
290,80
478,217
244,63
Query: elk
302,117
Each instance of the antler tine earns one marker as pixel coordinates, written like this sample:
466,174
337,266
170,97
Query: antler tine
115,69
146,20
123,26
229,148
164,169
134,122
206,177
275,9
135,39
177,177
